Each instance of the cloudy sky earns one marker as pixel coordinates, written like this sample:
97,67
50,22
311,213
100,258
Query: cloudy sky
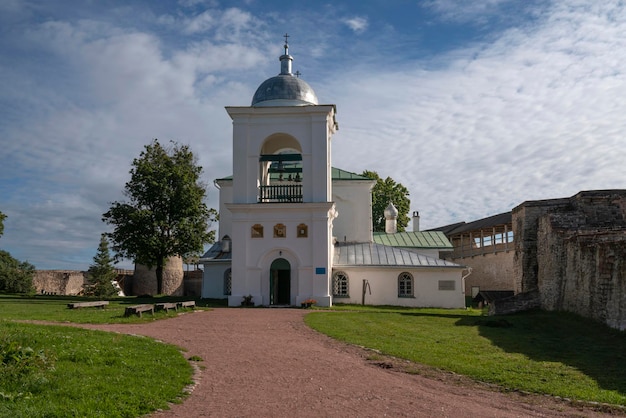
475,106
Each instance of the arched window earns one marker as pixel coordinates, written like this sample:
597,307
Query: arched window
228,282
405,285
341,285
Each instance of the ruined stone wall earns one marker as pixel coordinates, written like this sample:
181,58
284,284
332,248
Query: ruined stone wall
573,251
525,221
493,271
584,271
59,282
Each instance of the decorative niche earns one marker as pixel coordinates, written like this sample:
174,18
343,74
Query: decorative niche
280,231
257,231
303,231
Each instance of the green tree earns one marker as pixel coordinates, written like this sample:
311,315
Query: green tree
2,218
165,215
102,271
15,276
383,192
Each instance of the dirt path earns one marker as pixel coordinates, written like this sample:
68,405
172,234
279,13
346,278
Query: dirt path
267,363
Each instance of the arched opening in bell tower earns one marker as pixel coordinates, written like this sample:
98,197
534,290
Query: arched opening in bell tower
280,170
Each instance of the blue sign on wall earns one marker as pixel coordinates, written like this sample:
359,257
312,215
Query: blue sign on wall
320,270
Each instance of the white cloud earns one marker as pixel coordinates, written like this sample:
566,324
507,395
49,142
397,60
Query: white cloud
535,114
122,92
465,11
200,23
357,24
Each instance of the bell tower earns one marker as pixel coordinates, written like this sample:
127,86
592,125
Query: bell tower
282,210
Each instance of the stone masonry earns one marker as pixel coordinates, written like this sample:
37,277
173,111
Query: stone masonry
570,255
59,282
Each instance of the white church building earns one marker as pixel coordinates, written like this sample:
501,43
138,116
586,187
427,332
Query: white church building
294,228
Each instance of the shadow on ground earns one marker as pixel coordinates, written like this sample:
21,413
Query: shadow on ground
591,347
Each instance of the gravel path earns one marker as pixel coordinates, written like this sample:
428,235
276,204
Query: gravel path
267,363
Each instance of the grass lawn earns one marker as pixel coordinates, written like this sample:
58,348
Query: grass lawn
56,371
54,308
543,352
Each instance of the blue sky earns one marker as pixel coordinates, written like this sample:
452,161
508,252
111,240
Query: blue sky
474,106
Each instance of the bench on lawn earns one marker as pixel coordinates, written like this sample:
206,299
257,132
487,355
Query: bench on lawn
188,304
138,309
166,305
95,304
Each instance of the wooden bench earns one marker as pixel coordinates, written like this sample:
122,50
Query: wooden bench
188,304
166,305
138,309
96,304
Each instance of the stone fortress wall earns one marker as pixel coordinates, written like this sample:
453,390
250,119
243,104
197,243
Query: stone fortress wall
59,282
141,281
570,255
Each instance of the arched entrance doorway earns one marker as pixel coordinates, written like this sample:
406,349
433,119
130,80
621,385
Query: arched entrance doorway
280,282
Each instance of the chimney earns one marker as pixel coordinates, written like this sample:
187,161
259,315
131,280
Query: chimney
416,221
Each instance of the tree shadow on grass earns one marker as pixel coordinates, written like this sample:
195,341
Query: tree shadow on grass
589,346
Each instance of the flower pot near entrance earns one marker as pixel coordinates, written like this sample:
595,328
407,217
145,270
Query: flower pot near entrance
247,301
305,304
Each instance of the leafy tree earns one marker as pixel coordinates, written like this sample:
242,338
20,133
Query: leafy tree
2,218
102,271
15,276
165,215
383,192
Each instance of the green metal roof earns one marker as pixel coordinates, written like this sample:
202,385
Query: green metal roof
336,174
339,174
419,239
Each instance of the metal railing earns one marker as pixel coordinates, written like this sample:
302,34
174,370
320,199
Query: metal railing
283,193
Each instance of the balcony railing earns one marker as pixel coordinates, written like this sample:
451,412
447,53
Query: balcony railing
283,193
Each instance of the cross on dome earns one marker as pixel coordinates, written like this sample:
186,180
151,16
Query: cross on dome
286,35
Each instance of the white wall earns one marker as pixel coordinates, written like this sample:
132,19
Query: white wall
252,257
384,287
225,196
353,201
213,280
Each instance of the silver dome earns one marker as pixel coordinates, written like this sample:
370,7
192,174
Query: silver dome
284,90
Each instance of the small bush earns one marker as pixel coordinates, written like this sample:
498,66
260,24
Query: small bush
22,368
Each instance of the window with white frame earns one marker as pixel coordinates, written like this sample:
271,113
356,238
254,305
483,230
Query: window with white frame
405,285
228,282
341,285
